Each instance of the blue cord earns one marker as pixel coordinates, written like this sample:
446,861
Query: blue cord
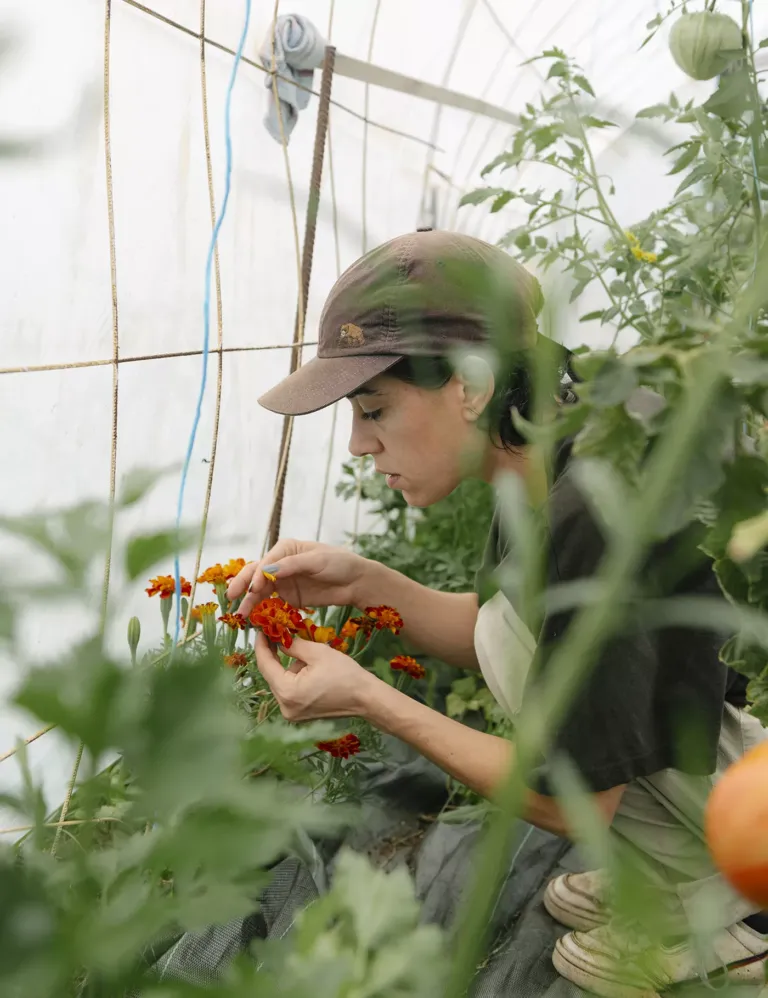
207,309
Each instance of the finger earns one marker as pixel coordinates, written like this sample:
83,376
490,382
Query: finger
306,651
268,663
242,580
292,565
296,666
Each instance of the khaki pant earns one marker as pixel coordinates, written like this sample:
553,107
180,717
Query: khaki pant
660,819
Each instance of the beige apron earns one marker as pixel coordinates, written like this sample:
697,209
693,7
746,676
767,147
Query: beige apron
505,648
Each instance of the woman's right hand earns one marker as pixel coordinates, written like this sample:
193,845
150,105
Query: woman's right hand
308,574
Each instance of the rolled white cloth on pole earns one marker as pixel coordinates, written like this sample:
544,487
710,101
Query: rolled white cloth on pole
299,49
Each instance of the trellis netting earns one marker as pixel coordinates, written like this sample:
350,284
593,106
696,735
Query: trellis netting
108,191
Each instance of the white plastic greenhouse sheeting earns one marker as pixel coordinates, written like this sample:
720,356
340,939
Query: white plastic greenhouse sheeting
57,303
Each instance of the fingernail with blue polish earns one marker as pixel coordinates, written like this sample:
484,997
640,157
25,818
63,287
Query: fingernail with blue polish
272,569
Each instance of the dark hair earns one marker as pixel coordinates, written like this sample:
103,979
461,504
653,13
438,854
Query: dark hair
513,392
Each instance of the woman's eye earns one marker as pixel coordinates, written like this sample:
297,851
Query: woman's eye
374,414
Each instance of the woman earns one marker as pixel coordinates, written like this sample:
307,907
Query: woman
388,331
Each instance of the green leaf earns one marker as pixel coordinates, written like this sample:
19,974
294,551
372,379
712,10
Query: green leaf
731,99
757,691
505,159
542,138
620,288
612,384
583,83
613,434
137,483
482,194
598,314
697,174
78,696
749,368
578,290
522,240
558,68
582,273
637,307
501,200
145,551
589,121
704,472
655,111
686,158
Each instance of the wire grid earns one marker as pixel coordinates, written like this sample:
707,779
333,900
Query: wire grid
116,360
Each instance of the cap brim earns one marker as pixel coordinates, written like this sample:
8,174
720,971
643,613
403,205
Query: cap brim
323,381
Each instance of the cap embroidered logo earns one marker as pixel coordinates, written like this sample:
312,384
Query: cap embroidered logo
351,335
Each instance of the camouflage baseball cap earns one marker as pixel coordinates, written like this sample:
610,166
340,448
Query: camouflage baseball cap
420,294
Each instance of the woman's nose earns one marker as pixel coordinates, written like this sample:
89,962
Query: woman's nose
362,439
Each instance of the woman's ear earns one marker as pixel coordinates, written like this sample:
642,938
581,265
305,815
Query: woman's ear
478,384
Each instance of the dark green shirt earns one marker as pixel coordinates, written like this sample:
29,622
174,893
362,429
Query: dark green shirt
654,698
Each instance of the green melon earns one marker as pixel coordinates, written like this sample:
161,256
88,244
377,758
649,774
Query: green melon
700,43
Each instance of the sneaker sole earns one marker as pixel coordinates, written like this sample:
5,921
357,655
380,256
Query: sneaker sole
573,966
572,908
603,985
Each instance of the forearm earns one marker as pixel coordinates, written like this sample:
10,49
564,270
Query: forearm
439,624
478,760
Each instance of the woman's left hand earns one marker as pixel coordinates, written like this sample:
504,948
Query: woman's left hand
320,682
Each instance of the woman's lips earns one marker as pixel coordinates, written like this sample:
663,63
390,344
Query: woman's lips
392,481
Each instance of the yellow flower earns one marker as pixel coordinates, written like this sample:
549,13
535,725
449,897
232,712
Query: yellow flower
631,238
269,576
204,610
643,255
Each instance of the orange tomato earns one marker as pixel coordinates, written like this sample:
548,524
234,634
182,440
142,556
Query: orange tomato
736,824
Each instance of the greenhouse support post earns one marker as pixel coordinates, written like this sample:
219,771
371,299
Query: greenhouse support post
313,205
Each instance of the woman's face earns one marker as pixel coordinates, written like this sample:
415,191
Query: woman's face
423,439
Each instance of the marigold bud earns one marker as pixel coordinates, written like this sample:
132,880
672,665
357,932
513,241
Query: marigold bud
134,636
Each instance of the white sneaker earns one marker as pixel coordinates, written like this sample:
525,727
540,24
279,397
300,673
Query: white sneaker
578,900
617,965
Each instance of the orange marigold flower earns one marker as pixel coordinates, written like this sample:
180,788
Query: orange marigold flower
385,618
215,575
234,620
350,629
236,661
233,567
341,748
322,635
404,663
278,620
165,585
